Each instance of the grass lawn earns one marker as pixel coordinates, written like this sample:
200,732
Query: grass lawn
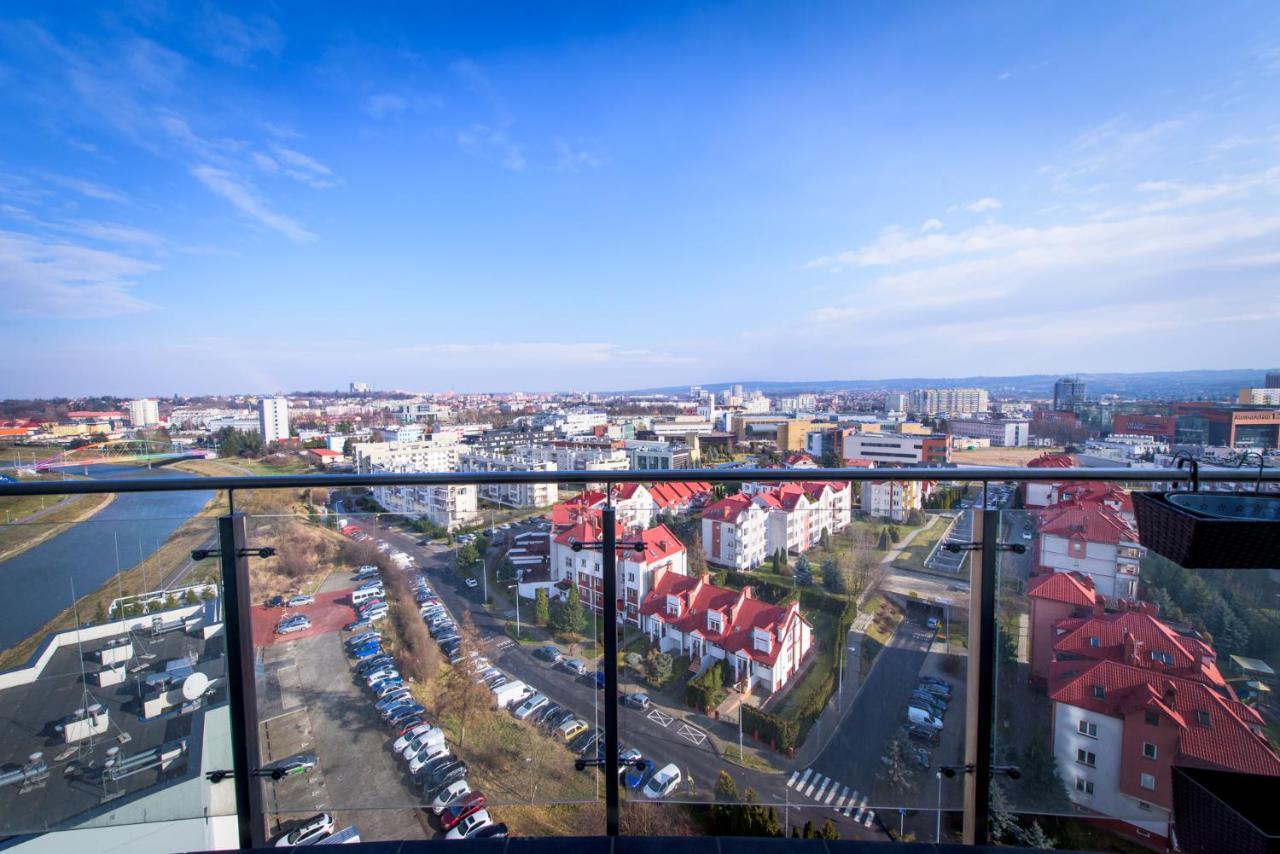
885,619
823,664
28,453
913,556
748,759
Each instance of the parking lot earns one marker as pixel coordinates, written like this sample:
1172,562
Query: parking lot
329,613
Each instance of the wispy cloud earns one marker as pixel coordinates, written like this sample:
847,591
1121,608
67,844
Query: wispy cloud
238,41
88,189
493,143
931,225
984,204
60,279
246,199
114,232
574,156
304,168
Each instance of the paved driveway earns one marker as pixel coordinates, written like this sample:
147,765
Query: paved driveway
329,613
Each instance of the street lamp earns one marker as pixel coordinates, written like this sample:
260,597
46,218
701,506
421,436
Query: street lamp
937,830
516,588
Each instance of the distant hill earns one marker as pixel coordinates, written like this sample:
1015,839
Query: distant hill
1152,384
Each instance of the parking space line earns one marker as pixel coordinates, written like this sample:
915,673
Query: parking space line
660,718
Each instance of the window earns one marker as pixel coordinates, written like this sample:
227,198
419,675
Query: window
1153,718
1086,757
1162,657
1083,785
1203,718
631,578
1089,728
1148,750
1100,692
1095,641
1148,782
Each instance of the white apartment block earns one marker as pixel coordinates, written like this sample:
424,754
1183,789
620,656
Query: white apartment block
511,494
890,499
144,413
656,455
954,401
449,506
1006,433
663,553
578,458
273,419
405,456
571,423
1093,540
734,533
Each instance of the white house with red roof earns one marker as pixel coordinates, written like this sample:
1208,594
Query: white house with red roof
1118,728
734,532
663,552
761,643
1091,538
1041,493
1055,596
891,499
680,497
798,513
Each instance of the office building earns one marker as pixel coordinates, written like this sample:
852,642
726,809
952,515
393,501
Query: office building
1068,393
273,419
948,401
144,413
1272,380
892,449
1007,433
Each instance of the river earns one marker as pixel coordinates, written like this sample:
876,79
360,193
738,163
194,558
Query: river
36,585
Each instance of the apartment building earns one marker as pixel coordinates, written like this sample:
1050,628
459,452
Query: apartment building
1004,433
663,553
797,514
948,401
1094,539
511,494
734,533
421,456
144,413
451,507
578,456
762,645
643,454
891,499
893,449
273,419
792,434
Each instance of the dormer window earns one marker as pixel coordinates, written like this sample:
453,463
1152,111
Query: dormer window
1095,641
714,621
1203,718
761,640
1099,692
1162,657
673,606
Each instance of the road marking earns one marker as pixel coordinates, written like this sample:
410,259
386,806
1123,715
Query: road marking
832,794
808,793
696,736
844,796
660,718
790,783
804,779
818,795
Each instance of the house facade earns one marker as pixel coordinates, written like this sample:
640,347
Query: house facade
1091,538
734,533
663,553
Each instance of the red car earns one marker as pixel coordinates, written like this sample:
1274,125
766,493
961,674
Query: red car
473,802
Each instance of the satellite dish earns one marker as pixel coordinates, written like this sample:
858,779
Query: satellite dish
112,751
35,757
194,686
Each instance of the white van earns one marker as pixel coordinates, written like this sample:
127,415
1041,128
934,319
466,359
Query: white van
364,594
367,571
920,716
512,692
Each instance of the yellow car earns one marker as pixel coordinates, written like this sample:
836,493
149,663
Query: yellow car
572,729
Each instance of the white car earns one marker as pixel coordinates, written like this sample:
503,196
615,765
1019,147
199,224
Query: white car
469,825
663,782
426,754
472,583
382,673
309,832
529,706
405,740
430,738
450,795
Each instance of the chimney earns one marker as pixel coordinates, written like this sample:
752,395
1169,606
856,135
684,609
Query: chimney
1130,649
1170,695
747,592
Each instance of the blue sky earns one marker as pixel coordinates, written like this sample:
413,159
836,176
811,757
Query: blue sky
260,197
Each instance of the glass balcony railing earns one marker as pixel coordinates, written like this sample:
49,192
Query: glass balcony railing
773,655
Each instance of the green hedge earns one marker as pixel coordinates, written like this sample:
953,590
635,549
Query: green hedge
706,690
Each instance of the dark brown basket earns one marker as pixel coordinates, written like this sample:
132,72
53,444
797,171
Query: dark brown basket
1202,542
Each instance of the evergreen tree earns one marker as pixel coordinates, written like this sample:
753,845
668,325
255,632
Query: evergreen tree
804,574
1000,823
776,562
1040,782
1035,837
828,831
832,577
807,832
541,607
895,534
825,540
883,542
569,617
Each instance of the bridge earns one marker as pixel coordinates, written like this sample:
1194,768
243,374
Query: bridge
121,452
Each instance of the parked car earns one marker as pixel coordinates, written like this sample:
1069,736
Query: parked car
447,774
548,653
928,701
290,766
472,802
935,689
636,701
412,735
572,729
432,738
663,782
293,624
472,584
448,795
274,602
540,717
357,624
308,832
405,713
362,638
628,755
575,666
364,668
393,697
932,624
383,685
495,830
638,775
923,717
301,599
385,672
529,706
368,651
469,825
428,754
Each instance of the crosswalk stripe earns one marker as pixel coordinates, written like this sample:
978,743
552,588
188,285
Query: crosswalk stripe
817,779
794,775
803,779
831,796
844,796
817,796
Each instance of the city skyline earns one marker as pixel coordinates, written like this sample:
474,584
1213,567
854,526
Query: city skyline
223,200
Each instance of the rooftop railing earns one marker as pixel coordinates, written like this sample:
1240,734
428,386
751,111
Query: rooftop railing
910,682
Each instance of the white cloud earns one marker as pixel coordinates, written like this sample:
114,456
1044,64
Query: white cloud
576,157
237,41
493,143
113,232
301,167
89,189
984,204
243,197
56,278
931,225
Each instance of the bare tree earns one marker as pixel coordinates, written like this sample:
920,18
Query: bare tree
461,696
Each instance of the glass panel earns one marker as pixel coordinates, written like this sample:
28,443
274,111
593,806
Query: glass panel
778,664
450,676
115,722
1115,664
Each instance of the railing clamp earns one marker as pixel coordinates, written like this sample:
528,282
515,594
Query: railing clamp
581,764
219,775
265,551
634,545
1010,771
273,773
956,548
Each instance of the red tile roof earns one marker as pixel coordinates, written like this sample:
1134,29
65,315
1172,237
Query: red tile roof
1051,461
1073,588
1226,740
740,614
1131,636
727,509
1095,523
1094,492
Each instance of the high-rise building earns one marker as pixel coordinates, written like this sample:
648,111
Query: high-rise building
273,419
359,387
144,413
952,401
1273,379
1068,393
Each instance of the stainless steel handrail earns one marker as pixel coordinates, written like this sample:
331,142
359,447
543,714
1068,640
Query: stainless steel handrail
983,474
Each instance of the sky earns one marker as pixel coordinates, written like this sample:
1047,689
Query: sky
260,197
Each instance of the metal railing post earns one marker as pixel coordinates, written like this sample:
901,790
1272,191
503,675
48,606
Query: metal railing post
980,699
241,689
610,611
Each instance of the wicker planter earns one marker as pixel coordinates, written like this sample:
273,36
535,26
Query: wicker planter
1205,530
